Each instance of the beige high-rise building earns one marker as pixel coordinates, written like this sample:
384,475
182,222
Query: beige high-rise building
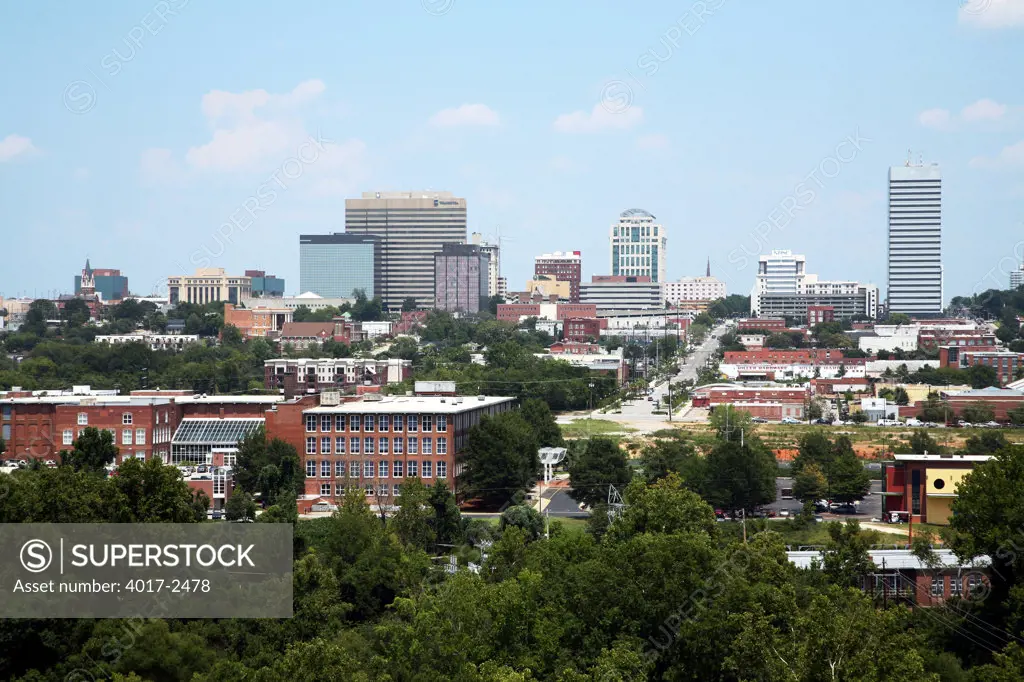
412,226
208,285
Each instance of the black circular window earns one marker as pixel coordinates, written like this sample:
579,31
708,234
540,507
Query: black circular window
939,484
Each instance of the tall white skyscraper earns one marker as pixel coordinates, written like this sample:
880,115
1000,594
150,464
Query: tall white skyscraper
915,239
638,246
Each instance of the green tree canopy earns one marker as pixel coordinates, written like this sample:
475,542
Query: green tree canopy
594,464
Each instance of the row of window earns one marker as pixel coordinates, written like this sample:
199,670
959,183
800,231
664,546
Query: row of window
955,585
126,436
382,423
355,445
383,469
126,418
382,489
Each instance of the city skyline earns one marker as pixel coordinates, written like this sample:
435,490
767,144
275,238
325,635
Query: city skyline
145,170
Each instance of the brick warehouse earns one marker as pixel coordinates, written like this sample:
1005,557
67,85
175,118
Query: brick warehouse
373,443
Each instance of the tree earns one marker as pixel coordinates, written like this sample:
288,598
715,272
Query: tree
920,442
728,423
268,469
978,413
524,518
810,484
814,410
409,304
412,521
240,507
93,451
537,413
846,480
985,443
501,458
740,476
900,396
595,464
154,492
899,318
1016,416
75,312
982,376
846,559
664,456
665,506
230,336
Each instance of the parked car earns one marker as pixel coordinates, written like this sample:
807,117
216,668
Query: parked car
216,515
822,421
758,420
818,519
992,425
790,420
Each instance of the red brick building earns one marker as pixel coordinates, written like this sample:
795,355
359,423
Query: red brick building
759,323
840,385
783,357
574,348
930,338
306,334
767,402
817,314
1005,363
583,329
924,485
565,267
299,376
374,444
512,312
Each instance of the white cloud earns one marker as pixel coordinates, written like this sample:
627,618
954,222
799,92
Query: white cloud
936,119
218,104
15,145
340,170
465,115
158,167
992,13
1008,157
599,119
984,110
653,142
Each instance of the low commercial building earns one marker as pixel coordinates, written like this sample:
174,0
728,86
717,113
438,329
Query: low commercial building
900,576
515,312
309,300
879,408
261,320
767,324
752,341
301,376
925,485
765,401
612,363
819,314
1003,362
688,292
619,292
890,337
375,443
583,329
163,342
1001,400
303,335
840,385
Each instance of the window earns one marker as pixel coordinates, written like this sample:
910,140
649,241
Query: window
325,488
126,418
413,467
428,422
399,445
229,460
339,445
382,446
397,422
382,489
367,469
339,490
428,469
126,437
937,585
442,446
353,445
325,445
396,490
325,422
83,418
368,423
310,422
368,446
413,424
442,422
973,582
442,469
382,423
353,469
353,422
414,446
310,468
311,445
140,436
382,469
955,584
428,446
339,422
339,469
398,469
7,411
368,489
6,432
325,468
69,437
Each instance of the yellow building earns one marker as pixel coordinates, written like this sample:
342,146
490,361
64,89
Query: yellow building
549,286
208,285
919,392
926,485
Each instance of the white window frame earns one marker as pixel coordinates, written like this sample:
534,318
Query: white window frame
938,585
427,423
442,423
339,422
442,446
398,469
326,422
353,423
367,469
384,423
396,490
325,489
383,446
140,436
382,469
310,445
310,423
398,446
68,437
126,436
414,445
310,468
83,418
325,445
339,445
339,469
428,446
441,469
413,466
369,445
412,423
396,424
353,470
353,445
427,469
126,419
368,423
325,468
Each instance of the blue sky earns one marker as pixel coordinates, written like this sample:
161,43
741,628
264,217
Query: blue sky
133,132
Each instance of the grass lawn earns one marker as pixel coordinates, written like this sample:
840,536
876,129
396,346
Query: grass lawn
593,427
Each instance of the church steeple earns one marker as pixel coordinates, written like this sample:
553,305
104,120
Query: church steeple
709,268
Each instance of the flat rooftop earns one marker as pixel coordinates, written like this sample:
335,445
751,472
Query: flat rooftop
412,404
942,458
895,559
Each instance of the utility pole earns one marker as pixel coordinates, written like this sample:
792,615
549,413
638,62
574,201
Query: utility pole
743,516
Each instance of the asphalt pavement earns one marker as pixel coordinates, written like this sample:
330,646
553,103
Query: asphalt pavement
869,508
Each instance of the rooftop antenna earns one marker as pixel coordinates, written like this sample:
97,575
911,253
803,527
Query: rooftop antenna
910,157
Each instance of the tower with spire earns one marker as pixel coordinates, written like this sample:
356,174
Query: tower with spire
88,286
708,274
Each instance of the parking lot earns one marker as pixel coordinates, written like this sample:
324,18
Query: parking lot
869,508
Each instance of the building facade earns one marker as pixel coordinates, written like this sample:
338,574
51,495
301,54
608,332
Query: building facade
301,376
514,312
412,227
257,321
208,285
622,292
924,485
784,288
563,266
1017,277
915,240
264,285
1003,362
493,253
163,342
691,291
638,246
337,265
461,274
109,285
